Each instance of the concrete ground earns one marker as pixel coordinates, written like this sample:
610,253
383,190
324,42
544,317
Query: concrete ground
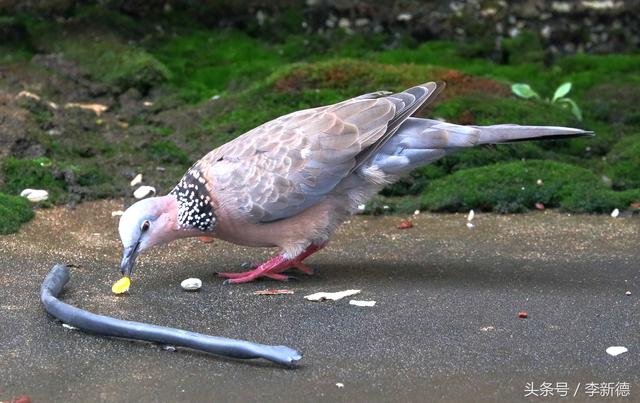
445,326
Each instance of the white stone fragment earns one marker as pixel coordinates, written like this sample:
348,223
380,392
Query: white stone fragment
627,293
117,213
471,215
35,195
470,225
361,207
69,326
615,213
144,191
539,182
333,296
191,284
616,350
361,303
136,181
147,103
417,212
340,385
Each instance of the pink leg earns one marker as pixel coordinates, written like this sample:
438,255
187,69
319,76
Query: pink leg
273,267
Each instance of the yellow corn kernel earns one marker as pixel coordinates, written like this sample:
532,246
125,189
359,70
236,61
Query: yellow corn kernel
121,285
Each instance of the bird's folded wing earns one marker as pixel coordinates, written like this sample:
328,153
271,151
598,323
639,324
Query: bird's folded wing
291,163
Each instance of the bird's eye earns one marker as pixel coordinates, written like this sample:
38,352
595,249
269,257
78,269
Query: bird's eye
145,226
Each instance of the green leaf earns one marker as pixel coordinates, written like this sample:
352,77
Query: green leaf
575,109
524,91
561,91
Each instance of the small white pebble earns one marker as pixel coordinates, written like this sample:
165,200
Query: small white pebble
147,103
361,207
340,385
144,191
616,350
117,213
68,326
471,215
615,213
215,97
470,225
416,212
539,182
486,329
136,181
169,348
191,284
522,188
627,293
35,195
385,207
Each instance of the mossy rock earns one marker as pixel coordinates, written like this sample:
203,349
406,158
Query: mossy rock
623,163
14,211
512,187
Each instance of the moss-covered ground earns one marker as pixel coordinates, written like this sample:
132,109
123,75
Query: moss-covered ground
176,89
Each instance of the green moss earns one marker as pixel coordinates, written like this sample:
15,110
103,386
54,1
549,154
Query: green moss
64,182
206,63
14,211
166,151
623,163
512,187
39,173
116,64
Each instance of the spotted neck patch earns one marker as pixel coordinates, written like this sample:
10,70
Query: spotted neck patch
194,203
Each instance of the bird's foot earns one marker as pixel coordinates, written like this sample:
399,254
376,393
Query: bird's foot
273,268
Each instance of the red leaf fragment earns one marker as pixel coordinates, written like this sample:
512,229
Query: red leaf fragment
539,206
523,315
405,224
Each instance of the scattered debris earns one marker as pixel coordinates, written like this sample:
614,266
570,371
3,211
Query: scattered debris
486,329
123,124
169,348
539,206
147,103
35,195
273,292
471,215
340,385
136,181
28,94
635,206
615,213
405,224
470,225
144,191
206,239
161,169
69,326
98,109
627,293
523,315
361,303
616,350
191,284
333,296
117,213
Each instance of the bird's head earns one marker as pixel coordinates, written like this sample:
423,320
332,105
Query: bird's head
146,223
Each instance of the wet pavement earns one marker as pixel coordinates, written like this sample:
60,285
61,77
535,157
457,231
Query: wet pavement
445,326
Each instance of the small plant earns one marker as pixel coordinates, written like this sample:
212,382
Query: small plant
559,96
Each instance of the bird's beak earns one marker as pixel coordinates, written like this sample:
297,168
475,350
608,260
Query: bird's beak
129,259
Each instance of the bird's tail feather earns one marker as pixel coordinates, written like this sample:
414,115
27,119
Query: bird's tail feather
509,133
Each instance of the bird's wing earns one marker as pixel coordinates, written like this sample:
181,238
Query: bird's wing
291,163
